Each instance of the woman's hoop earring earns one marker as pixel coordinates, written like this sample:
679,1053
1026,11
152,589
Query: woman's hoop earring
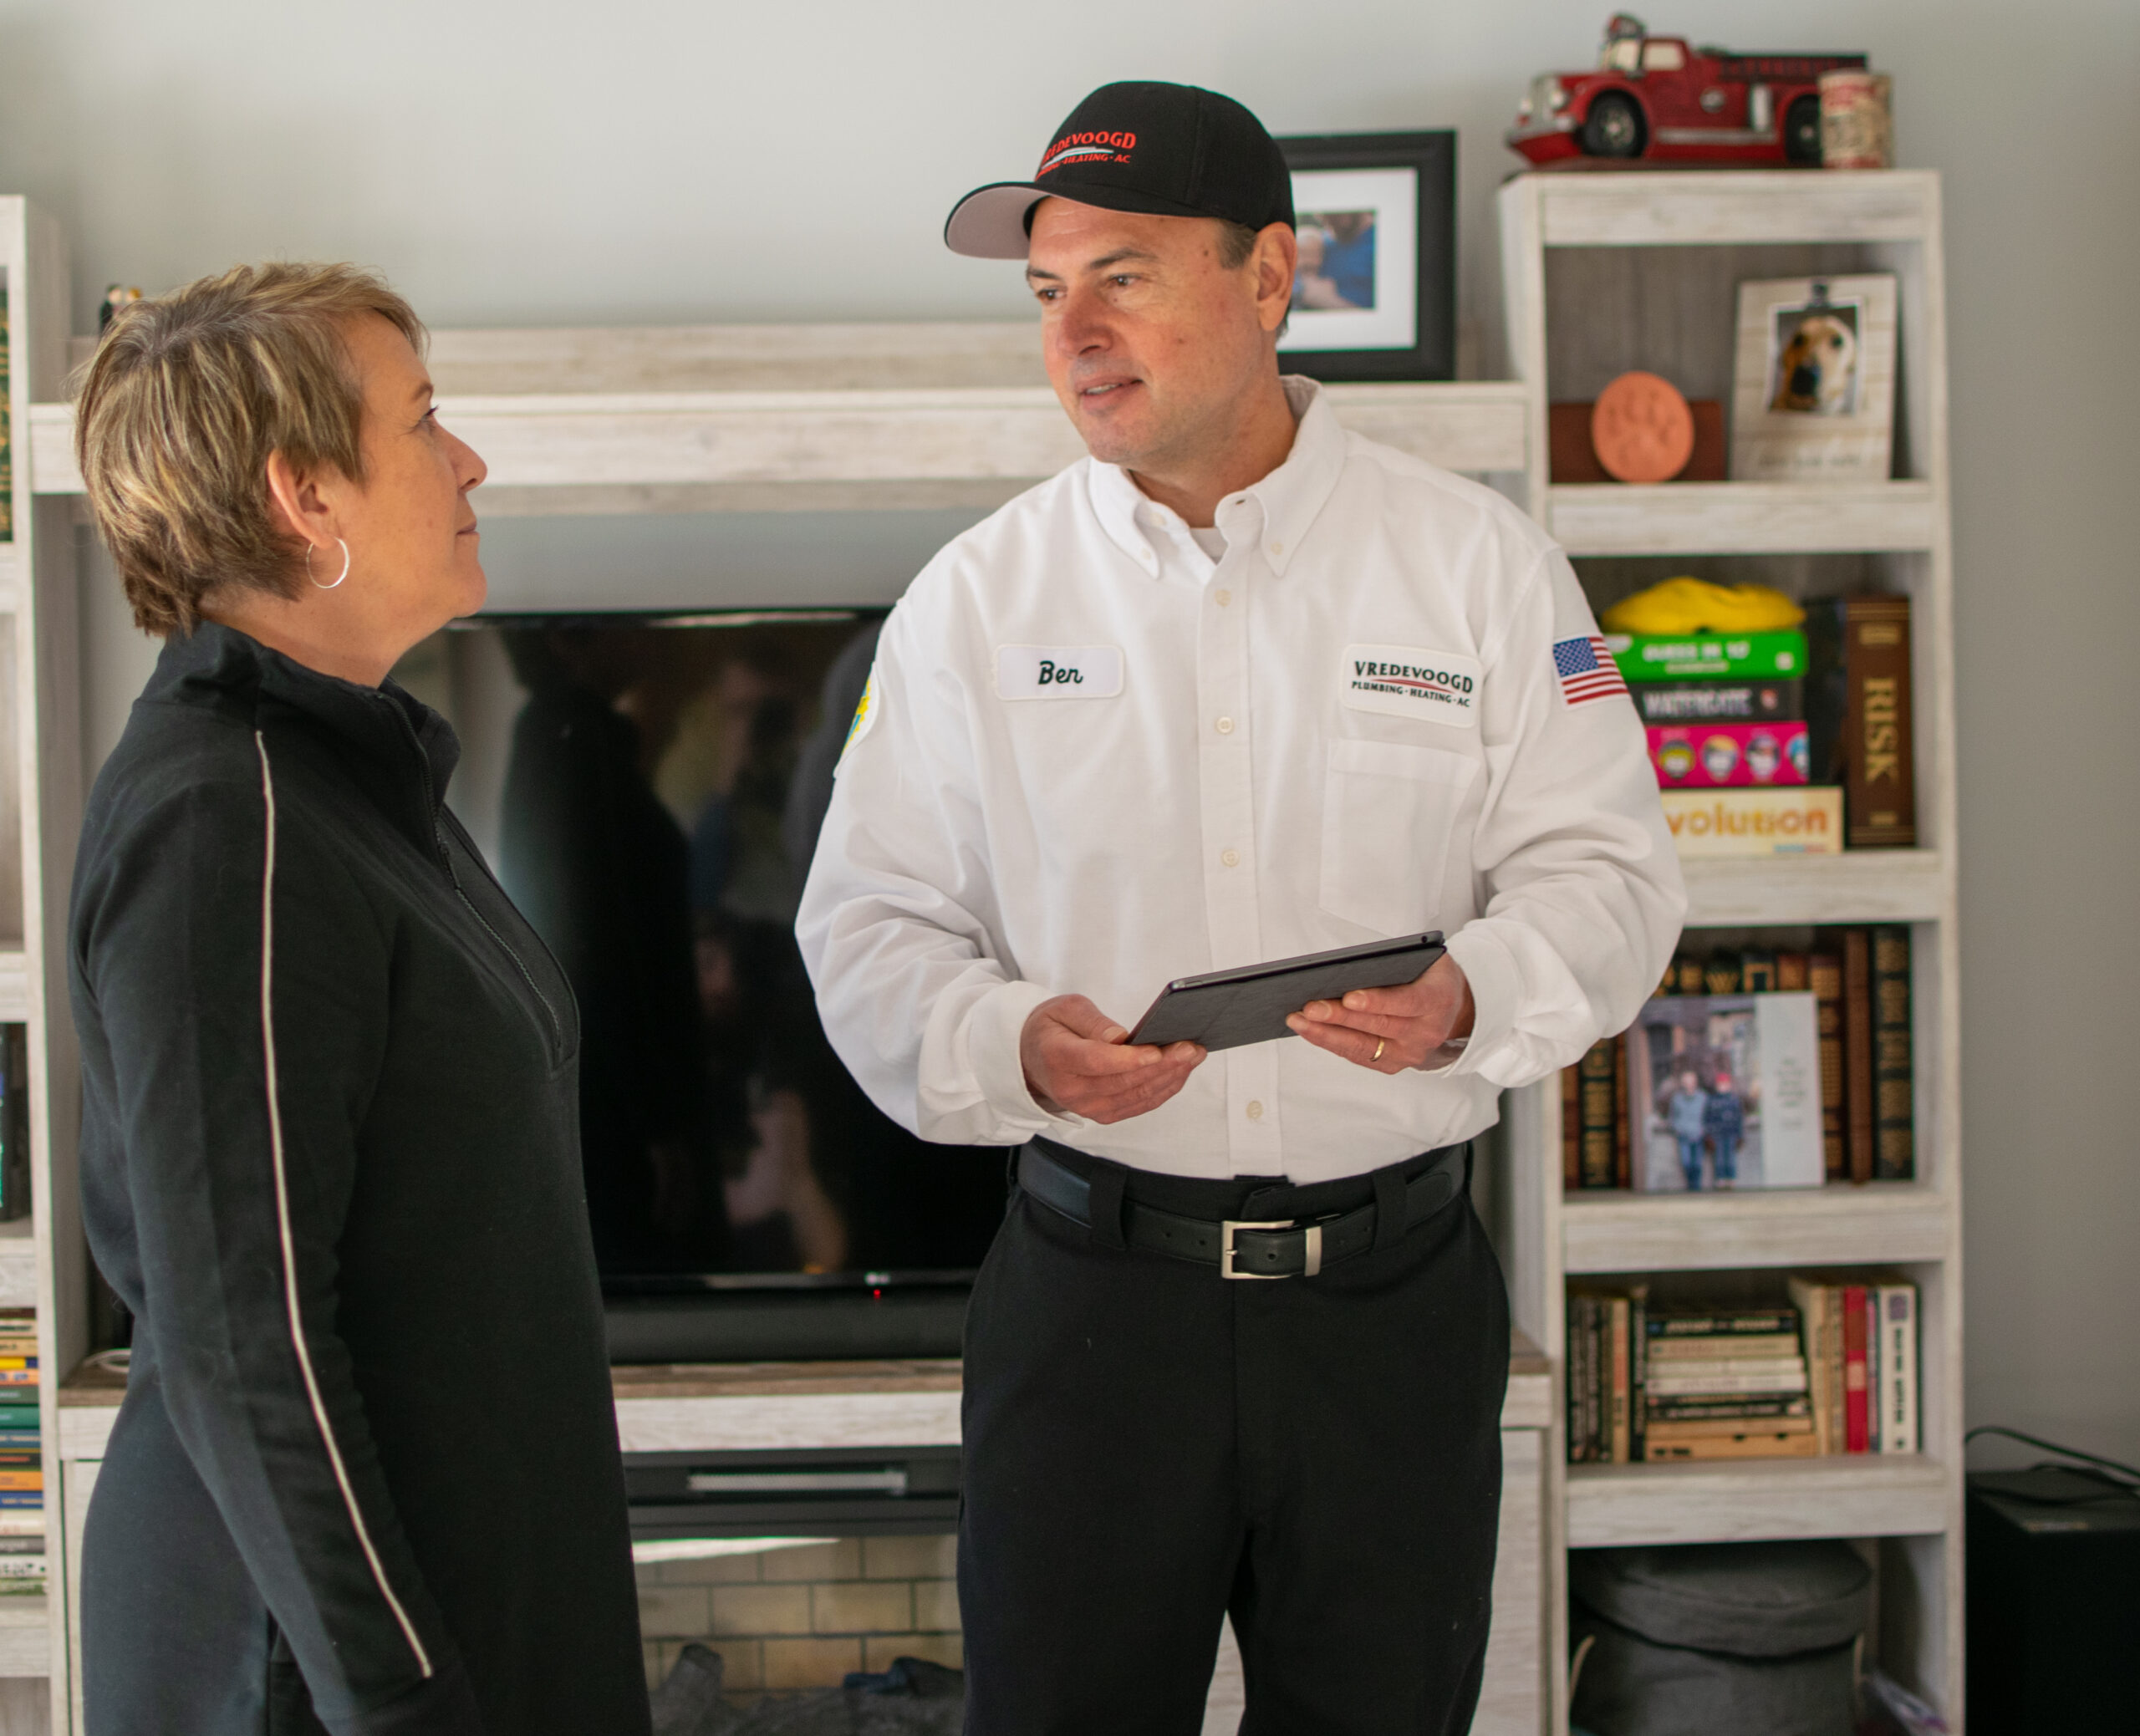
343,574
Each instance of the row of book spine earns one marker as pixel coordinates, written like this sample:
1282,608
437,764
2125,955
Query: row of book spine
21,1463
1860,979
1833,1371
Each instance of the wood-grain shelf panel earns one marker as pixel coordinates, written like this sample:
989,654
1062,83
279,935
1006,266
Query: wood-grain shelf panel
1884,1222
1857,886
770,1406
25,1639
719,443
1746,1501
18,1264
1760,207
1616,518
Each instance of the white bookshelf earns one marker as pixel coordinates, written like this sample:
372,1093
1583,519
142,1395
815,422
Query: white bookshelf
1603,272
41,1257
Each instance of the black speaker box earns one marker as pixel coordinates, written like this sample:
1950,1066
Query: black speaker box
2054,1603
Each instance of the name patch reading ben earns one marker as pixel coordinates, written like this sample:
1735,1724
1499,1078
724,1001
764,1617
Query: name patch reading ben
1058,672
1406,681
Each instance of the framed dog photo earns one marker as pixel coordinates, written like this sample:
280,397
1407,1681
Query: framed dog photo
1813,392
1375,294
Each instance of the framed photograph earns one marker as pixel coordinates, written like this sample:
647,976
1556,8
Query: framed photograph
1375,297
1813,390
1724,1092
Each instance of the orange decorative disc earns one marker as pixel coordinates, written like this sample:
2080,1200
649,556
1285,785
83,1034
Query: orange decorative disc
1642,429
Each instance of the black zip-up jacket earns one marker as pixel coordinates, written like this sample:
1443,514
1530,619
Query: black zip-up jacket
366,1474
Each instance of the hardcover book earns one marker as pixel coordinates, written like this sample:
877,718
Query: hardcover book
1894,1157
1724,1092
1824,976
1861,1119
1858,713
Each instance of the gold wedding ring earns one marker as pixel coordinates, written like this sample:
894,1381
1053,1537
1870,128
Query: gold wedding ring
1378,1044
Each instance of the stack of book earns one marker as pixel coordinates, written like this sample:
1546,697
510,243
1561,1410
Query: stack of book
21,1465
1860,1335
1833,1371
1729,739
1860,981
1782,743
1726,1383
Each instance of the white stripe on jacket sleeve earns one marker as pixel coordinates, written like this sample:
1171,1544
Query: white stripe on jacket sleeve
283,1216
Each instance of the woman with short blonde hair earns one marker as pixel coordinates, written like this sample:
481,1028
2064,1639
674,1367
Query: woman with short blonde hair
365,1478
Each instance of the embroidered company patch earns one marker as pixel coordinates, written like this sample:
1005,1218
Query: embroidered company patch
865,718
1087,148
1058,672
1405,681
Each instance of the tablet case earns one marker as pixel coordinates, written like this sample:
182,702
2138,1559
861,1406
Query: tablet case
1226,1009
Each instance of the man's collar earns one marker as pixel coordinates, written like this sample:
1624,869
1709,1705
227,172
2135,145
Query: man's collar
1286,501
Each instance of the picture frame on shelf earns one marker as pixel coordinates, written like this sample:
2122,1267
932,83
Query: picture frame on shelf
1375,295
1813,381
1724,1093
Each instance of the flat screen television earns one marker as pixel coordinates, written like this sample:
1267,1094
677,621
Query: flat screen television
649,788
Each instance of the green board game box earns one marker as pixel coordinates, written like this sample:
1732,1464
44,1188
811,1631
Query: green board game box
1706,656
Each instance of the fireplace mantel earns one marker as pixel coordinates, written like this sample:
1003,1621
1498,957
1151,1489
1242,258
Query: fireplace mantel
812,418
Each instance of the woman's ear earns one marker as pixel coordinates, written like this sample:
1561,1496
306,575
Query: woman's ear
297,503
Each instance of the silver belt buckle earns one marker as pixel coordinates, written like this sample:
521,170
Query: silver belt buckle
1227,1226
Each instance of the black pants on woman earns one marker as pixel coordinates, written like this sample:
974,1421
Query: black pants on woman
1149,1446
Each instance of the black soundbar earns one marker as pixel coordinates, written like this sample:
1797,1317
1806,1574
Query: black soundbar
828,1492
787,1325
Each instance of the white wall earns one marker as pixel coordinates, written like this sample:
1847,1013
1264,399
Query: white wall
659,160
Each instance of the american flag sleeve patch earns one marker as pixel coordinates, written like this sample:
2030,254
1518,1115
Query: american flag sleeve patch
1586,670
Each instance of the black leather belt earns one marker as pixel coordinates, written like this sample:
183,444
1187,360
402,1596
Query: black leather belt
1240,1248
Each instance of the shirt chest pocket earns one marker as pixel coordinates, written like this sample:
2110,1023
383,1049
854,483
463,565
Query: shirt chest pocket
1388,814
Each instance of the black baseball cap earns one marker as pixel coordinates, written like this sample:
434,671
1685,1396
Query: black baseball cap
1171,150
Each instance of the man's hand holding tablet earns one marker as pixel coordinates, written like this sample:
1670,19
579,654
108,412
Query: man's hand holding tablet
1389,1030
1079,1061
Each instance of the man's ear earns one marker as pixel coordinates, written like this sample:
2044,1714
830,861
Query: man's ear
1275,259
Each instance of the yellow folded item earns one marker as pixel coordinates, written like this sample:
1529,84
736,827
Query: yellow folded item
1694,605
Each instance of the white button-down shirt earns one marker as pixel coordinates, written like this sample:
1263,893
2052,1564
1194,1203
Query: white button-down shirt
1093,760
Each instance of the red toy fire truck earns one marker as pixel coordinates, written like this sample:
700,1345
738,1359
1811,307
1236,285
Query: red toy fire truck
1655,97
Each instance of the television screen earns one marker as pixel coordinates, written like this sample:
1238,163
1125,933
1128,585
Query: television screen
648,788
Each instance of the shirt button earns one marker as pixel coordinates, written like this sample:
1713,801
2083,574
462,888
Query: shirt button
1230,857
1222,598
1254,1110
1277,548
1225,727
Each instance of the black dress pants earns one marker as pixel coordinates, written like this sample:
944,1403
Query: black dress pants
1149,1446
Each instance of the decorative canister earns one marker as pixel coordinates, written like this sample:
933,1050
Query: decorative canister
1857,125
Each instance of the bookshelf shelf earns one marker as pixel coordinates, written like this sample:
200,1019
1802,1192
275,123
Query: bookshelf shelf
18,1264
1754,1499
25,1637
1607,271
1613,518
837,446
1758,208
1858,886
1882,1222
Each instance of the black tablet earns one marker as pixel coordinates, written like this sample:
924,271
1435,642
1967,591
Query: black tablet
1225,1009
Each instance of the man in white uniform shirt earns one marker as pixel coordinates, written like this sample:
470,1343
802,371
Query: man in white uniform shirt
1239,686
